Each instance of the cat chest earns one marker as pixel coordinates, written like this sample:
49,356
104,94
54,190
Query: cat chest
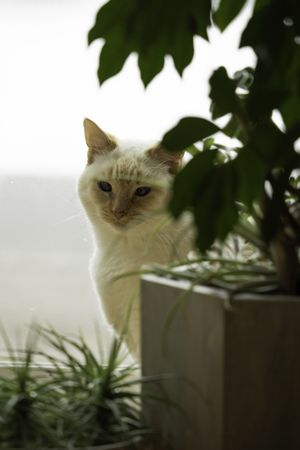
109,263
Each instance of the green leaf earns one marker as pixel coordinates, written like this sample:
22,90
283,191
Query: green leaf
188,131
222,93
251,171
234,129
182,49
113,55
263,99
227,11
290,111
151,63
206,223
215,210
273,208
188,181
200,17
260,4
227,212
166,28
111,15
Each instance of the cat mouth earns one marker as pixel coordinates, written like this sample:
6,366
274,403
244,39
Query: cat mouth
118,223
122,223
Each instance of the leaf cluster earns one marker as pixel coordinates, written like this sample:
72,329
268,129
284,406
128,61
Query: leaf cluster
76,402
260,175
152,29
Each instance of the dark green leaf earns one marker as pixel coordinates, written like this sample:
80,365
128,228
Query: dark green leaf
205,214
234,129
113,55
111,15
222,93
251,171
273,207
162,27
227,11
227,210
187,182
215,209
290,111
182,49
199,18
260,4
188,131
151,63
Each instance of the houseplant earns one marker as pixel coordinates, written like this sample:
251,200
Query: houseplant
260,180
260,175
74,401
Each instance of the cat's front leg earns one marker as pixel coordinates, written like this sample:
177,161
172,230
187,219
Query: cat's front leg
121,304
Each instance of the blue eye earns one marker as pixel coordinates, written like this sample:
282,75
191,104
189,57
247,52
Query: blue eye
142,191
104,186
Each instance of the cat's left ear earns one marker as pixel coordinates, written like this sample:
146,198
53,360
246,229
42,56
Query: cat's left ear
171,159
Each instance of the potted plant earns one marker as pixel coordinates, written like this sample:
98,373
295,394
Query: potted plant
71,400
239,350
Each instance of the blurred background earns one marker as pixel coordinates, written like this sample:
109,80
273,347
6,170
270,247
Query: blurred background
48,84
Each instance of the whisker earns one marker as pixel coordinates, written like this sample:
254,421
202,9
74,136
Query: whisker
74,216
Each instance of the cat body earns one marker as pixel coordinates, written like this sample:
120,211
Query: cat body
124,190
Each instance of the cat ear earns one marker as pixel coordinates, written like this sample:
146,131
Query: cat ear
170,159
97,141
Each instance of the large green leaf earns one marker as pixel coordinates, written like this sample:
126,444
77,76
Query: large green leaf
188,131
188,181
209,190
215,210
227,11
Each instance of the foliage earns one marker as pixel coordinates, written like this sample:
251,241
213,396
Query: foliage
77,402
236,266
260,175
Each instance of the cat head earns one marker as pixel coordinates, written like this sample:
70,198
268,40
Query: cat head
125,183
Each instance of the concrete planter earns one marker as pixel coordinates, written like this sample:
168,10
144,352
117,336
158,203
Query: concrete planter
238,369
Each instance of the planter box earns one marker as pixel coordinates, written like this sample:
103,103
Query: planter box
237,367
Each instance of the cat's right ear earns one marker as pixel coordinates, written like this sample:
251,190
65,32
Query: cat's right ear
97,141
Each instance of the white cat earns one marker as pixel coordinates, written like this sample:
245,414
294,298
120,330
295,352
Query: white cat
124,190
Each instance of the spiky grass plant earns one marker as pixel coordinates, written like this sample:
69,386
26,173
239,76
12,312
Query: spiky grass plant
78,401
26,400
242,263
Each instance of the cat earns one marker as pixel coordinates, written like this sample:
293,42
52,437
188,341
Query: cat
124,189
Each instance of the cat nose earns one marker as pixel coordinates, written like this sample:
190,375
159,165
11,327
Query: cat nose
119,212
